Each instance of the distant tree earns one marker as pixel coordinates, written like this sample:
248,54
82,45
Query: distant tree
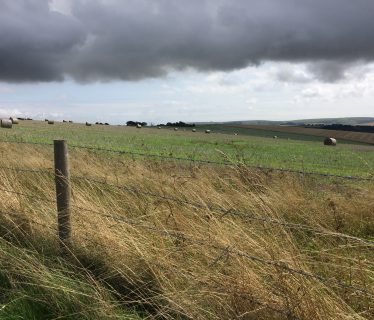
177,124
135,123
344,127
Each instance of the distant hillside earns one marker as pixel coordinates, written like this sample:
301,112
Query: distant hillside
347,121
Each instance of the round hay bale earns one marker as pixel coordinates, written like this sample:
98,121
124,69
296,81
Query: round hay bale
70,121
138,125
6,123
51,122
88,124
46,120
14,120
64,120
275,137
207,131
193,130
329,142
235,134
158,127
175,129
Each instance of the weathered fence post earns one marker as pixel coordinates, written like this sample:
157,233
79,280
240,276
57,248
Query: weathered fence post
63,192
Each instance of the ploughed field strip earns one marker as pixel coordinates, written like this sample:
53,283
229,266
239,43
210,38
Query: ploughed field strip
343,135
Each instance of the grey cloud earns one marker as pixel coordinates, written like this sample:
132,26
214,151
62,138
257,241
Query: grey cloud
35,42
289,75
331,71
104,40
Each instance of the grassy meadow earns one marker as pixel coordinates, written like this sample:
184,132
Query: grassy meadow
171,239
250,147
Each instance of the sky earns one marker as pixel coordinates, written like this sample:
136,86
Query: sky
196,60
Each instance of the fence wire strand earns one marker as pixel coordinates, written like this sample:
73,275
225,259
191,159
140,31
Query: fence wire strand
229,212
275,263
27,195
202,161
279,265
16,169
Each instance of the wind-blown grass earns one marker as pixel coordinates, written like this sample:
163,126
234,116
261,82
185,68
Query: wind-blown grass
138,255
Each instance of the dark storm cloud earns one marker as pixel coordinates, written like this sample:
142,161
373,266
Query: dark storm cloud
35,42
103,40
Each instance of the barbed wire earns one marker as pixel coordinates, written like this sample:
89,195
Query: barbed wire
209,206
276,263
249,297
27,142
27,195
242,294
180,235
12,213
225,212
222,163
17,169
230,212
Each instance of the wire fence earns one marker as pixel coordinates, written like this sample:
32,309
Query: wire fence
203,161
227,212
247,296
225,250
205,206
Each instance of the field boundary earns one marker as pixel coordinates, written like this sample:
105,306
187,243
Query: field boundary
201,161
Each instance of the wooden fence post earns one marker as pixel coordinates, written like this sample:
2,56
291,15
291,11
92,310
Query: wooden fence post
63,192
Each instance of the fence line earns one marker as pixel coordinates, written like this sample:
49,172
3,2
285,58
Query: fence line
248,296
228,249
225,212
230,212
9,213
222,163
27,142
27,195
244,295
44,171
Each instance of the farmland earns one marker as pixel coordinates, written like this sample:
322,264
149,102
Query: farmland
160,238
251,147
344,135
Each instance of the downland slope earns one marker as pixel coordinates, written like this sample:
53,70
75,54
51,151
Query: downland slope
182,241
344,135
347,120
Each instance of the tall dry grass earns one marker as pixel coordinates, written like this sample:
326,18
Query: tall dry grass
157,258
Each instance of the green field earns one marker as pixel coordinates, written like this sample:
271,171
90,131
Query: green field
252,147
172,239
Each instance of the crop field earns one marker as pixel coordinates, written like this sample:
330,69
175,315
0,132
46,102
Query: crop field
362,137
253,147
